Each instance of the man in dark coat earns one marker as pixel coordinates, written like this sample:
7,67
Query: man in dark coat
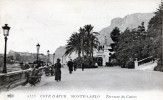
70,66
75,65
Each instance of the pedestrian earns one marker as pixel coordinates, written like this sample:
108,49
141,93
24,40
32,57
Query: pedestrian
84,63
57,68
75,65
70,66
52,70
83,66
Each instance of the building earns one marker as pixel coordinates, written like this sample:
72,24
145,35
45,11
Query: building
102,53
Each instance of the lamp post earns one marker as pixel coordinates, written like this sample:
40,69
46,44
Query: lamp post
53,57
6,29
62,59
48,57
162,28
38,48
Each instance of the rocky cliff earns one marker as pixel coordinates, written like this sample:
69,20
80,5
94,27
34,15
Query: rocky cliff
130,21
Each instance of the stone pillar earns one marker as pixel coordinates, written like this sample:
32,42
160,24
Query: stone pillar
155,62
136,63
106,54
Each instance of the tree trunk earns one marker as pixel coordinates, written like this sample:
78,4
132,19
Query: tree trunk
82,48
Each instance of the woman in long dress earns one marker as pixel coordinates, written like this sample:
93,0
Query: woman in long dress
58,70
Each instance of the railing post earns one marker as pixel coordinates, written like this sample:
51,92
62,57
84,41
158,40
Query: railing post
136,63
155,62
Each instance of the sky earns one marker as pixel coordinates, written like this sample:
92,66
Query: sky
51,22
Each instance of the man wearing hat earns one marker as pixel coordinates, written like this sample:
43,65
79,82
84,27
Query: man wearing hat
70,66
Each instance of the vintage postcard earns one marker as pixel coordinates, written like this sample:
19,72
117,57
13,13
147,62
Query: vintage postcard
81,50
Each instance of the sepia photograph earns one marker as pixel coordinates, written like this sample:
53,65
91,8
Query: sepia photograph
81,49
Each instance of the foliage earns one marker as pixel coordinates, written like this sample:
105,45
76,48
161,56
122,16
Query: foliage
90,39
155,29
82,42
73,44
10,60
115,34
130,46
87,62
138,43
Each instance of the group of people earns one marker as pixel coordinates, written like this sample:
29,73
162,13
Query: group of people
56,68
72,66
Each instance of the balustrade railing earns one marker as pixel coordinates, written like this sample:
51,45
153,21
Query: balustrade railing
12,79
145,60
148,62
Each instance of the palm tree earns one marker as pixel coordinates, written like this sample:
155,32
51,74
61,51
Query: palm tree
88,29
74,44
92,40
82,42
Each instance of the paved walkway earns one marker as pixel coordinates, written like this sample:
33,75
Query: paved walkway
105,83
104,78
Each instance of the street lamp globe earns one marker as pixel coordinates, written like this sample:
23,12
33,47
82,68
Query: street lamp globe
48,52
38,46
6,29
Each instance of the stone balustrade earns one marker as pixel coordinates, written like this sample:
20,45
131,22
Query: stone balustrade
12,79
146,64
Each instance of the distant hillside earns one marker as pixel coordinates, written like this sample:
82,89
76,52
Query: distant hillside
26,56
130,21
60,52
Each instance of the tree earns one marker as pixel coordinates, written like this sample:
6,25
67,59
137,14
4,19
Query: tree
91,39
74,44
10,60
115,34
155,32
83,42
124,48
115,37
130,46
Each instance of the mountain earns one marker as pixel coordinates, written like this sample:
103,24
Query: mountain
130,21
59,53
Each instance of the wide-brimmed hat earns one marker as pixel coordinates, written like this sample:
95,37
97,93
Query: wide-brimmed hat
58,59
